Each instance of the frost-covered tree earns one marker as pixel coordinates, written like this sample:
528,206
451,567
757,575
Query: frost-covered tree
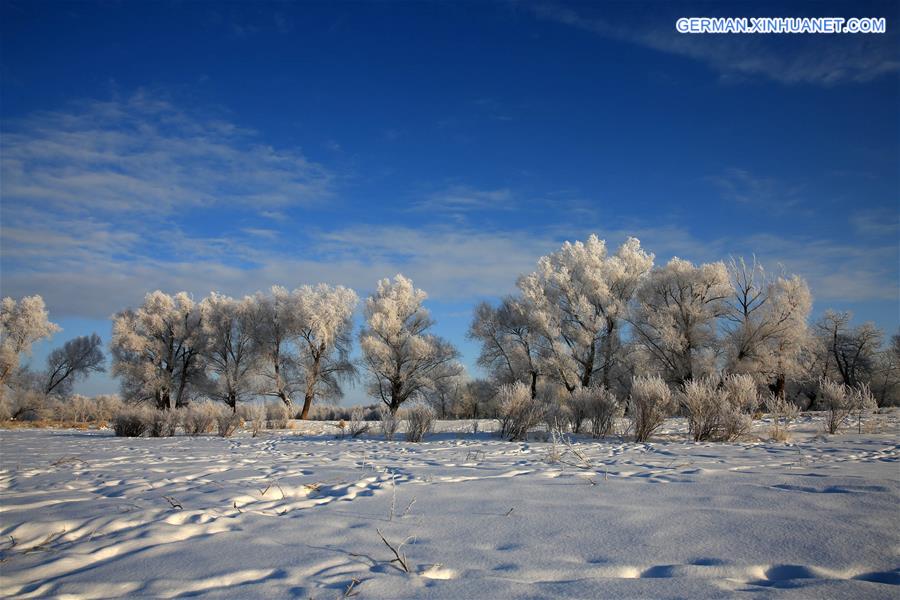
228,348
156,350
447,396
22,323
274,334
477,400
768,324
324,328
675,317
577,300
303,342
401,358
77,359
510,346
885,380
849,354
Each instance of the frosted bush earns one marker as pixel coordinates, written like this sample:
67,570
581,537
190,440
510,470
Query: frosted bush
649,405
862,400
277,415
162,423
358,424
783,411
198,418
255,416
419,422
388,422
576,406
30,405
840,402
741,402
105,406
227,421
131,421
719,411
6,411
519,412
600,406
556,415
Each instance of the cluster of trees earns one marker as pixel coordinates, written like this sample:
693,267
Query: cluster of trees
22,324
287,345
587,317
585,323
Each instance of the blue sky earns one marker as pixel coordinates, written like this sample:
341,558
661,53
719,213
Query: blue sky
230,147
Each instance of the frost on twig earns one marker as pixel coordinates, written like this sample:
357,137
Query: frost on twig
399,557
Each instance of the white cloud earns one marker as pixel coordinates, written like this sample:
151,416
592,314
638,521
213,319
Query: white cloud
463,198
877,222
142,155
744,187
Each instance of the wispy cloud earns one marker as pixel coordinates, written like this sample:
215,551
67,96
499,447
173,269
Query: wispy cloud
744,187
93,200
798,59
877,222
463,198
143,155
449,263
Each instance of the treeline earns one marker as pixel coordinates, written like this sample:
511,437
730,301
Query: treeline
585,323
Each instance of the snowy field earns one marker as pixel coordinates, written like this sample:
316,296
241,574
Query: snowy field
300,514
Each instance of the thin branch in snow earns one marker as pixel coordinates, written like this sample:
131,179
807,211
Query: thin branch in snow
175,503
398,557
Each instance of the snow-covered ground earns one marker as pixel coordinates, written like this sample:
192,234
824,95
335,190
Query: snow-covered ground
300,514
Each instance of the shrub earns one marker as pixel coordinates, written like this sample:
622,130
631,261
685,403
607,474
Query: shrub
130,422
198,418
227,421
600,406
162,423
389,422
519,412
325,412
649,404
576,409
277,415
30,405
862,400
358,424
105,406
741,402
840,402
6,411
255,415
419,422
783,412
719,411
701,401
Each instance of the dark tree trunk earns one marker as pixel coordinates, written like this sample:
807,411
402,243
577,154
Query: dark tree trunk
779,386
311,378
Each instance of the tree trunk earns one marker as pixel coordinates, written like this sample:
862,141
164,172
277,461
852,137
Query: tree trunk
779,386
534,378
311,378
588,367
607,352
307,402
